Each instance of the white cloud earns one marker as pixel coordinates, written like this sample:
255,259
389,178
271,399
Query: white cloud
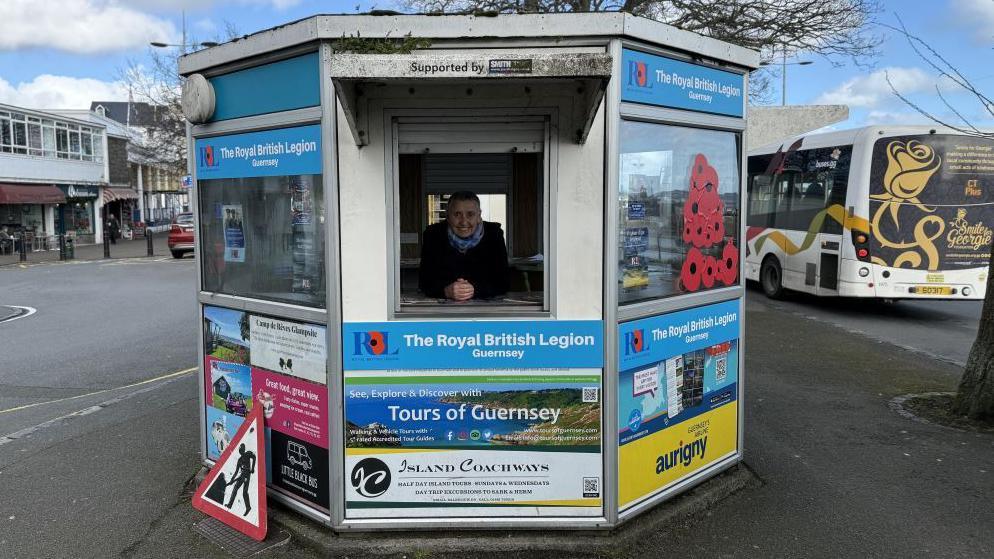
872,90
79,26
61,92
978,15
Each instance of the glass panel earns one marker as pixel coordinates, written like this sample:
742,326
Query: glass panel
74,145
87,144
98,146
20,134
5,136
263,237
678,211
62,143
34,136
48,140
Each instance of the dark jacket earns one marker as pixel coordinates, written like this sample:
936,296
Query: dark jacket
484,266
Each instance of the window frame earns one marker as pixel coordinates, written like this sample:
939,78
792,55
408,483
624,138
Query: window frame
686,119
471,119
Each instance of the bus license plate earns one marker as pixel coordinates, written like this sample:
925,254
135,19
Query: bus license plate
933,290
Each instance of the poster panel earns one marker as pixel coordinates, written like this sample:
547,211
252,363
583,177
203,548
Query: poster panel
677,397
234,233
258,361
473,443
291,348
662,81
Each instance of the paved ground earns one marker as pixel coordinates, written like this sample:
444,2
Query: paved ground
123,249
943,330
106,473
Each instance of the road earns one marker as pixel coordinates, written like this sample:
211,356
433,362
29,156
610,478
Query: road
943,330
99,430
86,467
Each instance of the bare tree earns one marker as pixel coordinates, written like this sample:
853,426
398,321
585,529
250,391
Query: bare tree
975,394
156,81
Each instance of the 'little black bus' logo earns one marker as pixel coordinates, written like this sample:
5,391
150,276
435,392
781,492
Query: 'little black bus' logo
371,343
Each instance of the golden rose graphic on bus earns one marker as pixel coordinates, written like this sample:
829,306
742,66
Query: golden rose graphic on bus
916,189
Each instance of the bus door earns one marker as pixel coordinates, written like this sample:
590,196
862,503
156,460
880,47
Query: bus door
817,213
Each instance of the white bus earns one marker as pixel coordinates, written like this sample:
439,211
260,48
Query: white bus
890,212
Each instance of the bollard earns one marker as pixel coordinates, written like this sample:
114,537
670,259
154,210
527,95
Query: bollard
106,243
62,247
24,248
148,240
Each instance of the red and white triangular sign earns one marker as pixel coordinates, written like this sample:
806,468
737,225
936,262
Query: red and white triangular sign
234,491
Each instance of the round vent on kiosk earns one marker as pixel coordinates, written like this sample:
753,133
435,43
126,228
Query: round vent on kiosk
198,99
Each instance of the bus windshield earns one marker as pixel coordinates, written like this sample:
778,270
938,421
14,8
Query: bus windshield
932,201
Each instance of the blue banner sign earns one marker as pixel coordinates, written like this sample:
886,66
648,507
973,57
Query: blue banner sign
654,339
281,152
472,345
657,80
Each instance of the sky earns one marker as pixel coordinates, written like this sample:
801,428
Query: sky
62,54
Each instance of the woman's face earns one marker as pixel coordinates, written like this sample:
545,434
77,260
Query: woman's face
463,217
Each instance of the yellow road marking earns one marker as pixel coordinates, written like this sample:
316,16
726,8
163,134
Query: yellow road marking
151,380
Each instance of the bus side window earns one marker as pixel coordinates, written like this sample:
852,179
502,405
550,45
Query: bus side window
761,201
838,186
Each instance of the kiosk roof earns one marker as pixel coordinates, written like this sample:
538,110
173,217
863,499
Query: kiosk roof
470,28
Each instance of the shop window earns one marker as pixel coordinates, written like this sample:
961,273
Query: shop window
678,205
510,190
263,237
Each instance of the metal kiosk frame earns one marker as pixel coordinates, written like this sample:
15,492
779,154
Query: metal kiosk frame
611,385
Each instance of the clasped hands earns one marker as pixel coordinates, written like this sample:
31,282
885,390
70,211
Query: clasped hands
459,290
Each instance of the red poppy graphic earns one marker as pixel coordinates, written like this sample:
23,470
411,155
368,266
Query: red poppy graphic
729,267
709,271
376,343
690,274
703,176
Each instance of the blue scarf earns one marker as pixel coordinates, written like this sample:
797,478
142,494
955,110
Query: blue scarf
462,245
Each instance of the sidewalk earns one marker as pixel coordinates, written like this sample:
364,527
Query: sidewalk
832,472
123,249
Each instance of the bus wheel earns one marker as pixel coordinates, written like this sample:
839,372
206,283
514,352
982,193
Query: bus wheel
771,278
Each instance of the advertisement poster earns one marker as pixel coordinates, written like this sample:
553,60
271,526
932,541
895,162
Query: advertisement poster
473,345
290,348
234,233
488,443
677,397
292,406
229,387
253,360
932,202
221,427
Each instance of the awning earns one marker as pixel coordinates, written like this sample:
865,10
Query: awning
111,194
583,75
31,194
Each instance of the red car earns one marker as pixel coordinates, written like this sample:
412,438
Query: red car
181,235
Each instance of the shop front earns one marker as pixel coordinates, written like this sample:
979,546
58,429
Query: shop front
27,212
76,218
587,367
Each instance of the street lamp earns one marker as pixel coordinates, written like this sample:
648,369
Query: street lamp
783,73
184,47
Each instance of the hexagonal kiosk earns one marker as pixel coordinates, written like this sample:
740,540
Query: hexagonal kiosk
478,272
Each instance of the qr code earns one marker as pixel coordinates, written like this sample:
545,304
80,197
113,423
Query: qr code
591,487
590,394
721,369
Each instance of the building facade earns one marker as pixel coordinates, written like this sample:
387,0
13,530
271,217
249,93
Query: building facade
160,191
54,170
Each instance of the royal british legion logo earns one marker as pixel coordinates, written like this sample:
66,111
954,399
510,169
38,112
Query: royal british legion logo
372,343
635,342
638,74
206,157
